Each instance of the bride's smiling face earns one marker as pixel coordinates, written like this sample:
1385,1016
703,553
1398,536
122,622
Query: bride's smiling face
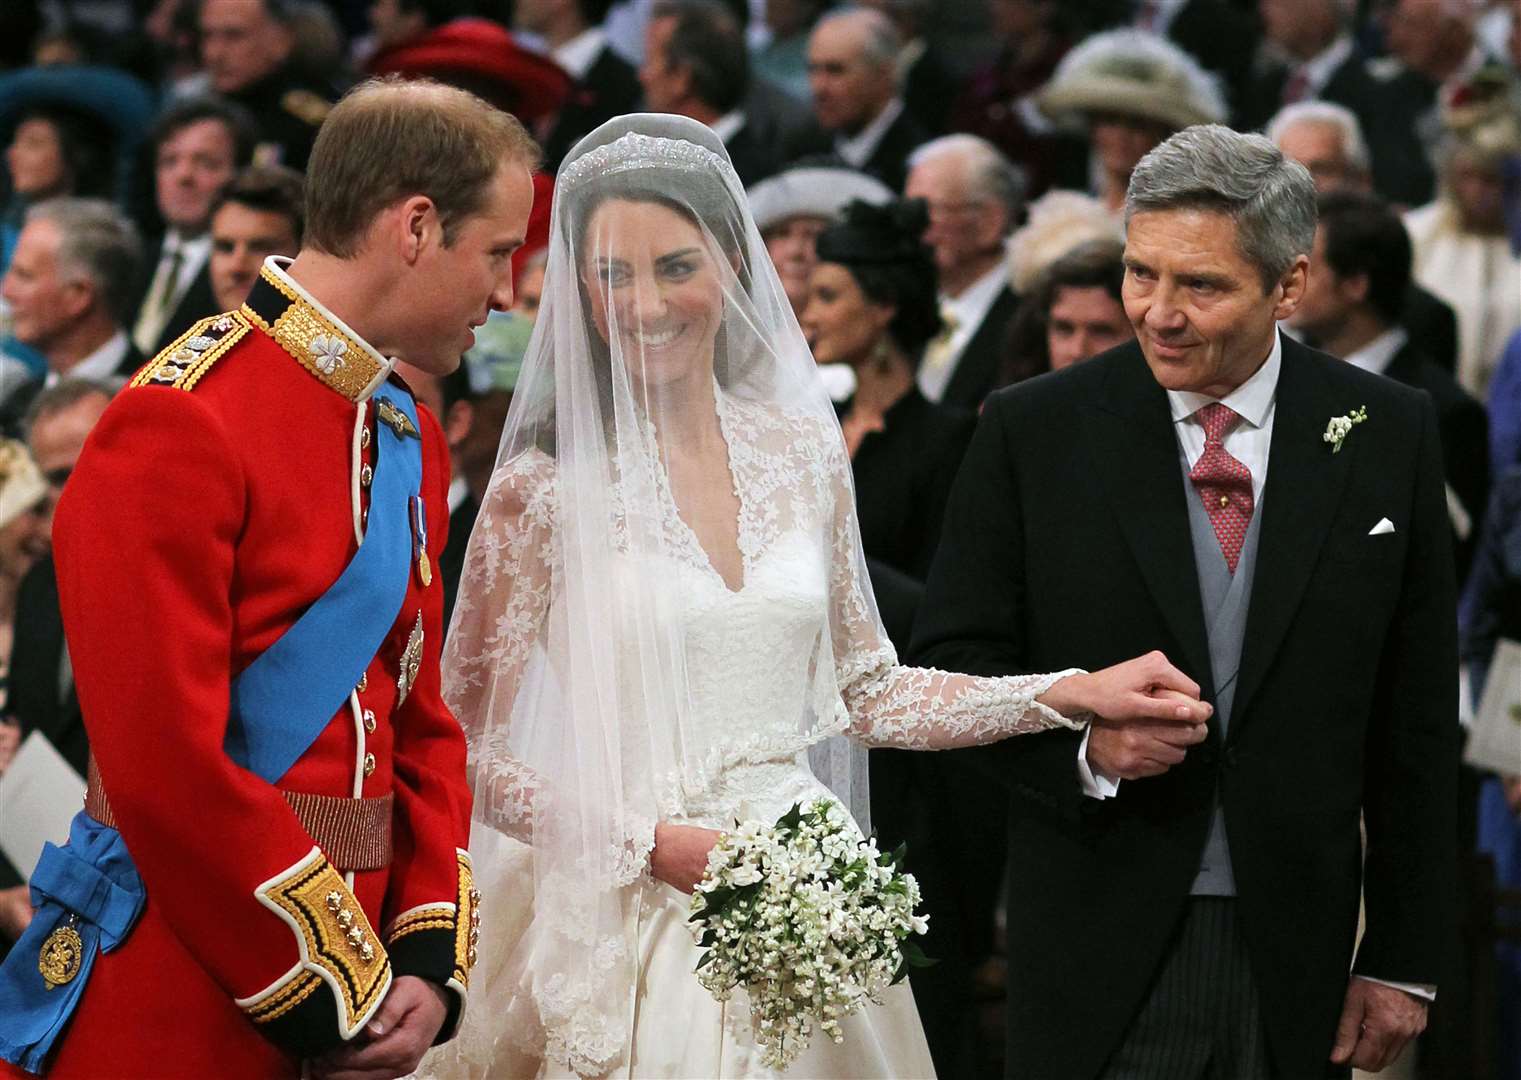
656,294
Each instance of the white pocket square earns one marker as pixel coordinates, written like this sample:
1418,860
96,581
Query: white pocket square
1383,527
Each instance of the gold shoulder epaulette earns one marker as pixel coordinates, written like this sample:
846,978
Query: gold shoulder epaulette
306,106
183,363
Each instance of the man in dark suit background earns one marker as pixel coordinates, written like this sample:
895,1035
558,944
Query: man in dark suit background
1359,271
1274,521
853,75
196,147
976,198
605,83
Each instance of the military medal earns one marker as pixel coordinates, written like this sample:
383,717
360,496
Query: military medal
61,954
398,421
420,540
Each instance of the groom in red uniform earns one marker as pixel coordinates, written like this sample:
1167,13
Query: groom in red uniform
270,870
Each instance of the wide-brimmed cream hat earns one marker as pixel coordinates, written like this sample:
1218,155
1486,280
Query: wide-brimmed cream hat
1133,73
1059,221
812,191
22,486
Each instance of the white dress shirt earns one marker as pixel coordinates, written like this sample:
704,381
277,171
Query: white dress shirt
1318,69
578,54
968,310
1378,354
857,149
100,365
728,125
193,254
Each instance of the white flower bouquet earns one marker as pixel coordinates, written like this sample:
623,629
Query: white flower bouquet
809,918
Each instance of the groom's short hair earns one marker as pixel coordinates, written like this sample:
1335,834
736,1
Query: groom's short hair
390,139
1210,167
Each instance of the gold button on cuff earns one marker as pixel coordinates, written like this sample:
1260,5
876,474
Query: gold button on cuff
364,438
366,474
369,764
369,721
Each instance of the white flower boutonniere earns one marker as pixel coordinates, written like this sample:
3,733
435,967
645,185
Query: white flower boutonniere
1340,426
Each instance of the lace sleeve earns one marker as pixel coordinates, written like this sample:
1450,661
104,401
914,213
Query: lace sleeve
499,616
916,708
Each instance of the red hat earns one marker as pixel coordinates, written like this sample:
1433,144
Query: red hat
481,56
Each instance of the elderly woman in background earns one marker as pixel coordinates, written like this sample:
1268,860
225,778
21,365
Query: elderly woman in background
23,537
1131,89
1462,252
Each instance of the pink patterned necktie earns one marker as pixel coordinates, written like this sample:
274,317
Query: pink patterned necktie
1223,483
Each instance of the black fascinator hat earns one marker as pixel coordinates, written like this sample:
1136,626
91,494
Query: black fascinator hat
883,248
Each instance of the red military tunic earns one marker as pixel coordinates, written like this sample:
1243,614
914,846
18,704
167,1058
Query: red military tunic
220,495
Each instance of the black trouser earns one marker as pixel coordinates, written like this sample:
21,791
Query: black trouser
1201,1019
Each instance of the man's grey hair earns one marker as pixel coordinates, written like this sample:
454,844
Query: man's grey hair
991,175
95,242
63,396
1210,167
1353,146
880,41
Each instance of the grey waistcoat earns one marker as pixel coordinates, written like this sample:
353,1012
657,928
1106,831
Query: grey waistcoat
1226,598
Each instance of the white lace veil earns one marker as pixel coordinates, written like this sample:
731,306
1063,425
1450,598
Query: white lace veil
669,420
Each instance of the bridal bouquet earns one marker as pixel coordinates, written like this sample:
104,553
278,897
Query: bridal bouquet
811,920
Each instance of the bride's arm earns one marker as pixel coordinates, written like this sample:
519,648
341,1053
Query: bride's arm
499,616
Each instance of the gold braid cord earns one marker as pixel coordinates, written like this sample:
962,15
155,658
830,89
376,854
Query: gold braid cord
467,931
337,946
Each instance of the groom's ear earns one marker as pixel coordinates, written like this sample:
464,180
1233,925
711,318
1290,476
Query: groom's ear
1290,288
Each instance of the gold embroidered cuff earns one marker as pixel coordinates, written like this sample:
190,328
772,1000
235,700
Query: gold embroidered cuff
336,944
467,931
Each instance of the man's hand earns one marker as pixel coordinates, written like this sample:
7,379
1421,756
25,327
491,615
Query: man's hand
394,1042
10,739
680,857
15,911
1376,1023
1147,688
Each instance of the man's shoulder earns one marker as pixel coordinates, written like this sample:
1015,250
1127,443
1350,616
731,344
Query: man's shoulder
1081,383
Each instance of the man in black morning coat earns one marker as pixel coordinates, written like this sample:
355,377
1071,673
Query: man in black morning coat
1200,919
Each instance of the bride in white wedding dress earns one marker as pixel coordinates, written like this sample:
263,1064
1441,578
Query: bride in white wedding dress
665,625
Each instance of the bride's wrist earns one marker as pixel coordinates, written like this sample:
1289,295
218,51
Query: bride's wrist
1069,696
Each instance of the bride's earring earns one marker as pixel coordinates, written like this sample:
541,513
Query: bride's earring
881,356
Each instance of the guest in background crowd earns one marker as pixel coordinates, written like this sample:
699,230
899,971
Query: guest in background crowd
54,150
247,47
41,695
1359,274
1327,139
853,74
1217,33
1131,90
197,145
1073,313
792,208
258,214
23,540
783,57
872,305
1056,223
1435,43
696,64
1462,251
67,288
975,199
928,85
605,83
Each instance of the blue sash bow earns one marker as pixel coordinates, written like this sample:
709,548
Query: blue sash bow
280,704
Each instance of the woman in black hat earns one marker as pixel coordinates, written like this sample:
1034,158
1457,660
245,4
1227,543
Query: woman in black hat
54,149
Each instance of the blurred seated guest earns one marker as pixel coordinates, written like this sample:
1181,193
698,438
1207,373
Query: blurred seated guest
1462,251
1131,90
1491,612
247,47
605,83
782,59
1073,312
696,64
40,694
1321,61
196,145
1359,274
476,55
792,208
258,214
1505,409
23,540
476,398
929,87
853,74
1217,33
975,198
1435,44
1327,139
529,287
872,305
67,288
996,102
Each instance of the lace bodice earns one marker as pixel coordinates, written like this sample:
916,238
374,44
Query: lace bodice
754,659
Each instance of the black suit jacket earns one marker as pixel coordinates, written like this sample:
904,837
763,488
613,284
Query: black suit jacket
1222,37
977,366
889,161
1432,326
451,562
610,89
753,159
1067,543
198,302
1464,428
